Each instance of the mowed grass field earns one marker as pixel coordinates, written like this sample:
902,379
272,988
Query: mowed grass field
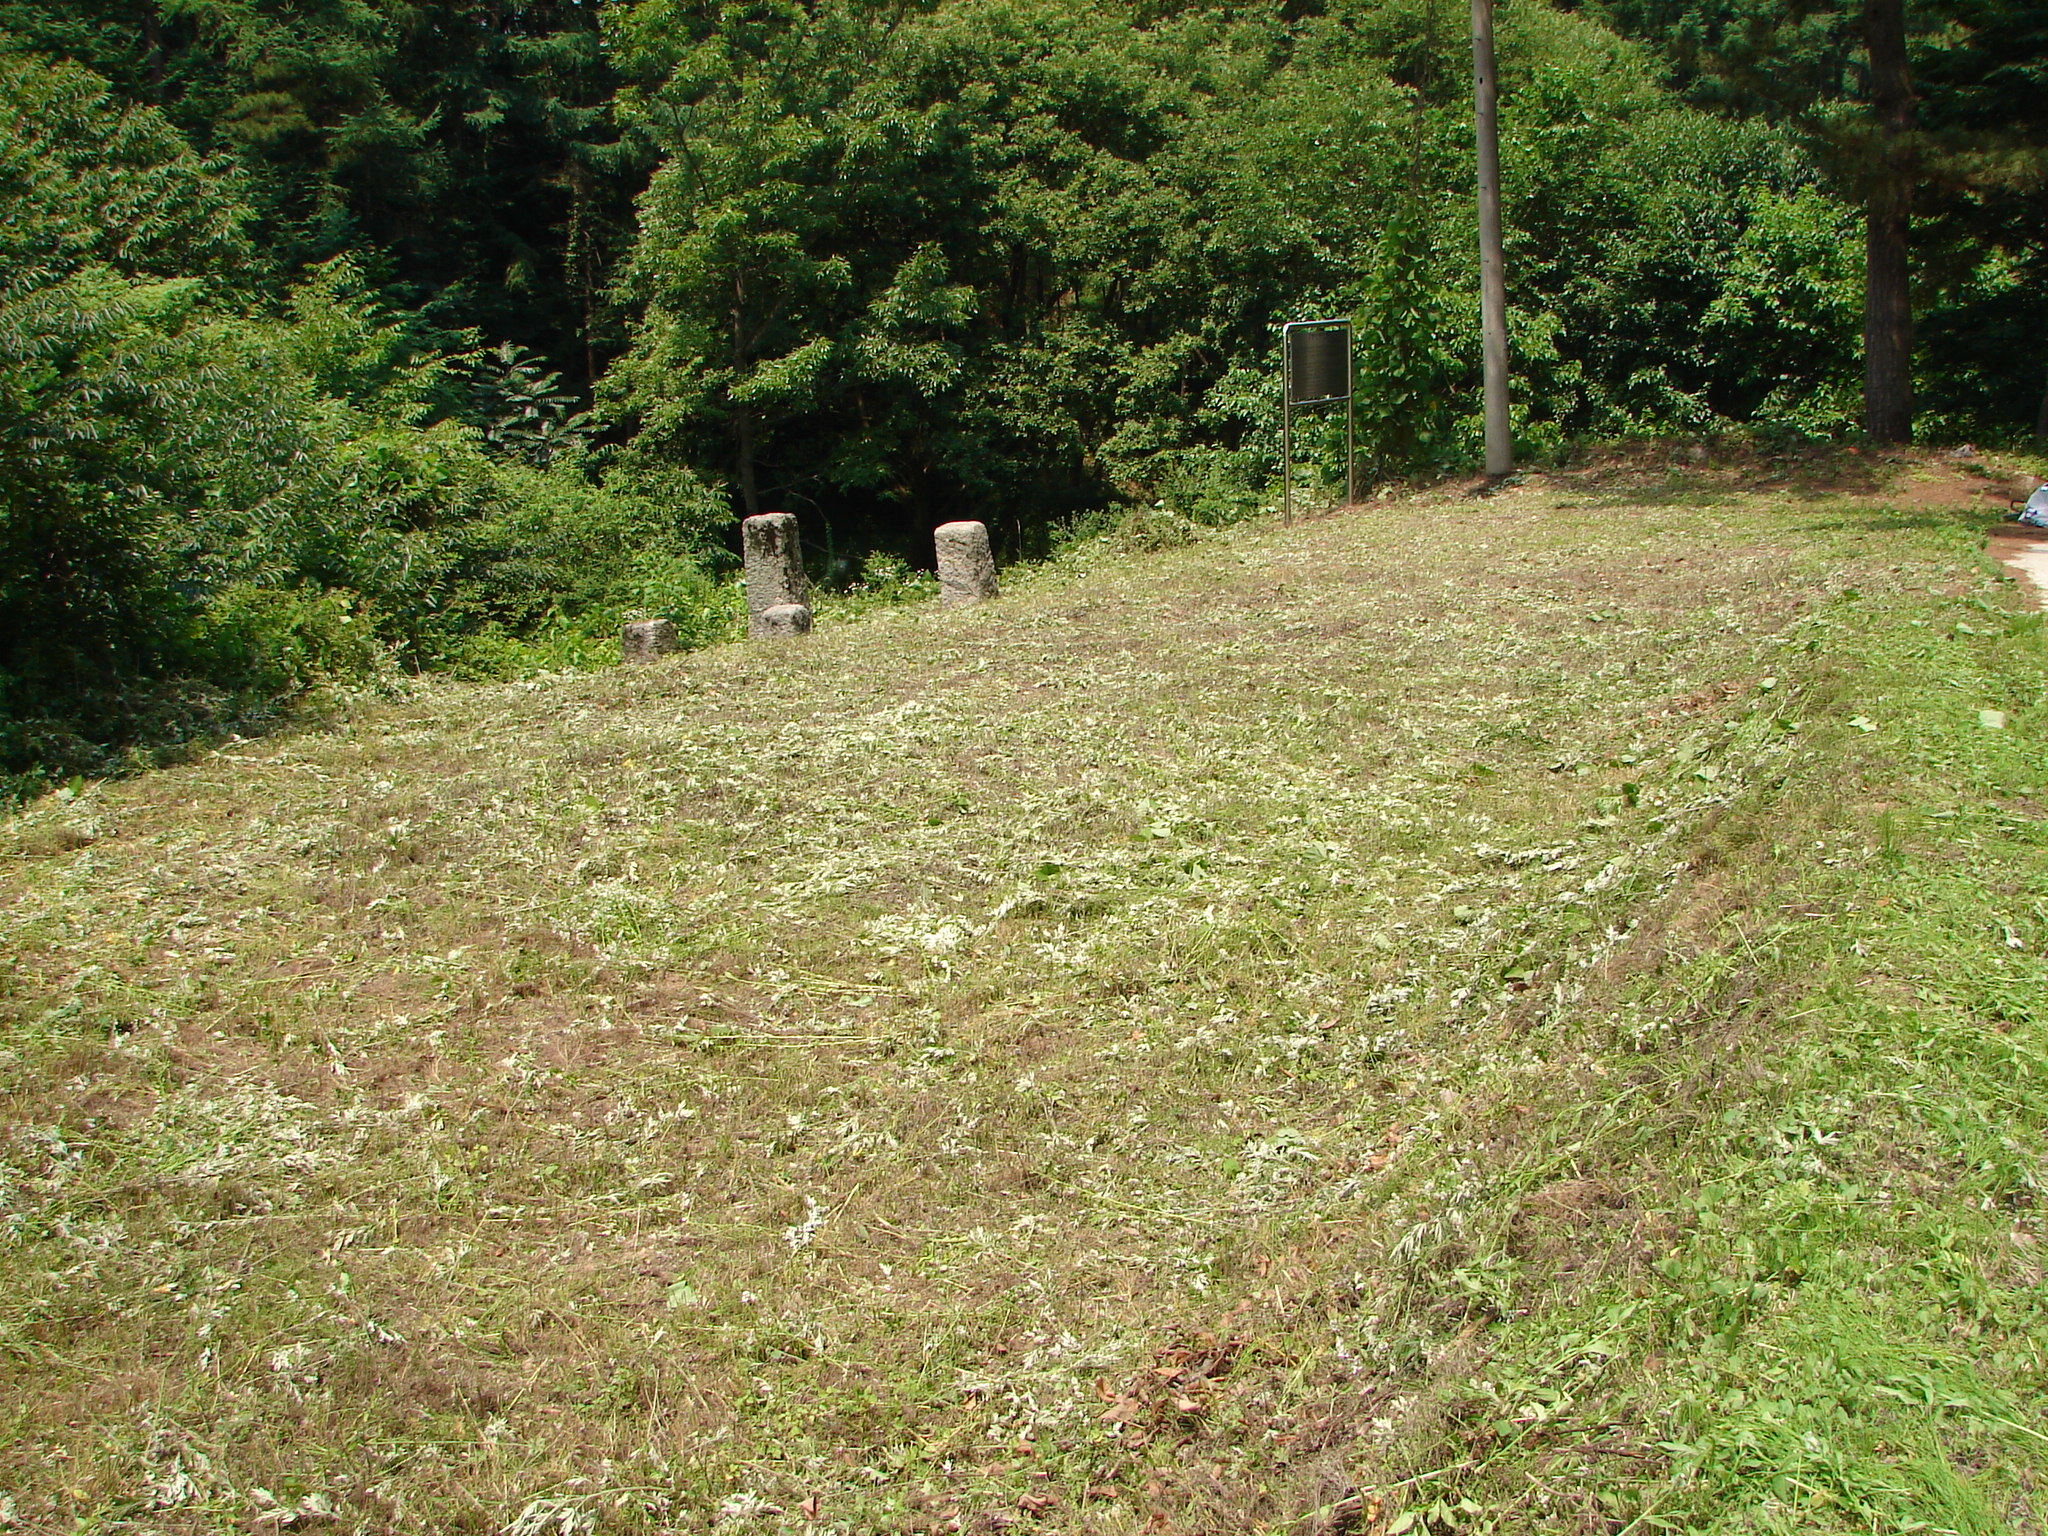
1516,1015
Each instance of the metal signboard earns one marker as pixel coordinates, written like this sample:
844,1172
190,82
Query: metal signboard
1316,370
1318,361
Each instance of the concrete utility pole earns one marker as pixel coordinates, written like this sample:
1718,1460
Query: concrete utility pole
1493,290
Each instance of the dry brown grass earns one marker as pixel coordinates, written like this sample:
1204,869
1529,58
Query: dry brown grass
1068,1064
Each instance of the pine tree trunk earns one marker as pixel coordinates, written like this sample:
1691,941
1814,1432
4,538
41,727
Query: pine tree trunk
153,51
1888,229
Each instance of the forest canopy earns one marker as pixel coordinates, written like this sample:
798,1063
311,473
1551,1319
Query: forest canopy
347,335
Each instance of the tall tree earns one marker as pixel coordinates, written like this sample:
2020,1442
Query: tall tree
1928,110
464,150
1891,174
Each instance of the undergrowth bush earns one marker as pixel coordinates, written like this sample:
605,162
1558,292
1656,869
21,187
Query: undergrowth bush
861,282
216,496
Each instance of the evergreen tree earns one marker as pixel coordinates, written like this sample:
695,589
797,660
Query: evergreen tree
463,151
1935,108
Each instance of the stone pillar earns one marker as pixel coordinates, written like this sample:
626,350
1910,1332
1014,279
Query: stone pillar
646,639
967,570
775,576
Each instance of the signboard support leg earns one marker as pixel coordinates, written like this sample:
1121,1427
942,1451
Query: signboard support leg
1287,464
1287,441
1350,453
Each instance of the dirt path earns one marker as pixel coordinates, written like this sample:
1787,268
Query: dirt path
2026,551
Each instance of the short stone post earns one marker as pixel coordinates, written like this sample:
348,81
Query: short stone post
775,577
644,640
782,620
967,569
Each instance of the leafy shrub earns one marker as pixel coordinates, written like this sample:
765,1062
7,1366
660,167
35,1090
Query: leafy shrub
522,409
1005,259
210,503
276,641
562,561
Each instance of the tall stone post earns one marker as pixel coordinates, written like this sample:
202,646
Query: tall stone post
775,577
967,570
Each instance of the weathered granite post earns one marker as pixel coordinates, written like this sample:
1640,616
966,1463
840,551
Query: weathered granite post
645,640
775,577
967,569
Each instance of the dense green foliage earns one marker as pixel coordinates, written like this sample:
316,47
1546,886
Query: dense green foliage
352,334
205,506
463,149
1012,257
1976,160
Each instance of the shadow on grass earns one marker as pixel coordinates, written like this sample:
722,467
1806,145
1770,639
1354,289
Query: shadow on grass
1715,471
1888,519
132,729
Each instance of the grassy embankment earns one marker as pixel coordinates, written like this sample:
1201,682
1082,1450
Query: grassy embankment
1520,1016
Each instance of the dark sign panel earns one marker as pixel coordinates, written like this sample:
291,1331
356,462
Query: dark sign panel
1318,363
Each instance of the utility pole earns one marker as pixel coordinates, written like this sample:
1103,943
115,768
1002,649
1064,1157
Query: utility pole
1493,290
1888,230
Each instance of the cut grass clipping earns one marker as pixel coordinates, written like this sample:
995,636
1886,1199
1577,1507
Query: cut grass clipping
1436,1021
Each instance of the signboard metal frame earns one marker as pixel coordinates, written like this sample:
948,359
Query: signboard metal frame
1288,403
